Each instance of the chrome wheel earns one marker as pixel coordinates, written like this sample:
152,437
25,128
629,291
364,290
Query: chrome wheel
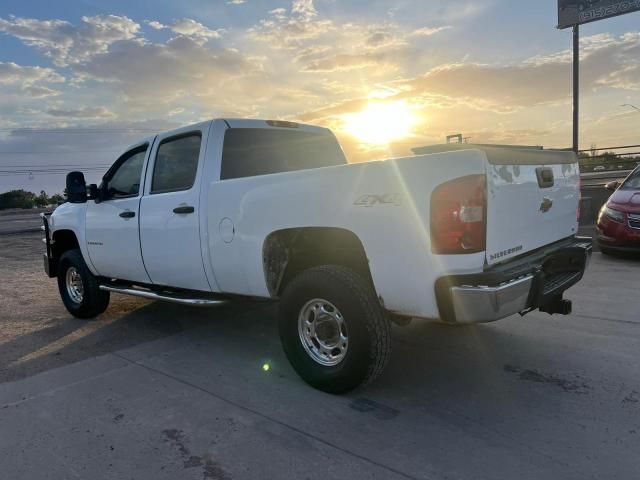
323,332
73,282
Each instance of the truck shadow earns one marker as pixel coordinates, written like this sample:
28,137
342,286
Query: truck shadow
430,361
127,323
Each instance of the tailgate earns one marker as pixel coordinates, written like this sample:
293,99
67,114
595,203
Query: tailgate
532,200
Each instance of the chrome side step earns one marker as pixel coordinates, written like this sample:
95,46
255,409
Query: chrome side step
194,302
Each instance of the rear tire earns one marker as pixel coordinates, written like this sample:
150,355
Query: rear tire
333,329
79,289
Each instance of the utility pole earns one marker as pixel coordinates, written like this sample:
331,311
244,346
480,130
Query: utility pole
576,88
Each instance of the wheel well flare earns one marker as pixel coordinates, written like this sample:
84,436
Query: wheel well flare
286,253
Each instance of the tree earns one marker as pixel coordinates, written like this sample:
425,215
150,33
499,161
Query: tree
56,198
17,199
42,200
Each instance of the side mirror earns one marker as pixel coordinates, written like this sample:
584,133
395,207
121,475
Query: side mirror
613,186
76,187
94,192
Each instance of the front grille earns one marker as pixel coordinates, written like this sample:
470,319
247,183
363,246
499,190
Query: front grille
634,221
557,280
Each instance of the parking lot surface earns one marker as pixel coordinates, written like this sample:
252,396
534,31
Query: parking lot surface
155,391
20,221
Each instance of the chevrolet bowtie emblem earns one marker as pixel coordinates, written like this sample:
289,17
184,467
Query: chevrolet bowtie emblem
546,205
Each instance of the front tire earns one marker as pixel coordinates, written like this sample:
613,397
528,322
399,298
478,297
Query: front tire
333,329
78,287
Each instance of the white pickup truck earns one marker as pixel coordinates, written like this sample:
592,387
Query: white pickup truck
229,209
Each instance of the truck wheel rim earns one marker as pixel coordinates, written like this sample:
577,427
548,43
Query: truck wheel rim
323,332
73,282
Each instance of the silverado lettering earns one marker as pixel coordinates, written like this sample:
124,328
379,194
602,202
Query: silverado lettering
505,253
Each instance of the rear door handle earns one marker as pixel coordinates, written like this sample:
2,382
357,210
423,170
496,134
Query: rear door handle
128,214
184,210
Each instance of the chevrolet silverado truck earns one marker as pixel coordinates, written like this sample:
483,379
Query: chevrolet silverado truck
229,209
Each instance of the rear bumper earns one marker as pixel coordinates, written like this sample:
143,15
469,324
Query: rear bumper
536,280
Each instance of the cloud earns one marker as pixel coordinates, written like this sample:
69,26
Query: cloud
83,113
148,77
429,31
288,29
342,62
607,61
156,25
31,82
479,92
236,2
37,91
299,64
189,28
330,46
461,9
377,39
68,44
12,73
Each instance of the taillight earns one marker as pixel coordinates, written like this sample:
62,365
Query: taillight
458,216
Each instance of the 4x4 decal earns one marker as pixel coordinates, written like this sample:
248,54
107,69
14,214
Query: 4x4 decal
372,200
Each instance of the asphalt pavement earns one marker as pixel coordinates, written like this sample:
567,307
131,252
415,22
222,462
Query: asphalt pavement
21,221
212,396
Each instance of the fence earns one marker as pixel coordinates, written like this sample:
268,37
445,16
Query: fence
616,167
609,159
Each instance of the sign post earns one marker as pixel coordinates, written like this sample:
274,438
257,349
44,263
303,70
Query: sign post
573,13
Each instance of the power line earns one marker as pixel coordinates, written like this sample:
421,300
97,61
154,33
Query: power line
51,169
54,165
70,152
47,171
34,171
77,130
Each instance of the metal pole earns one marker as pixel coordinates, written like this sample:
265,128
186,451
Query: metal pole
576,87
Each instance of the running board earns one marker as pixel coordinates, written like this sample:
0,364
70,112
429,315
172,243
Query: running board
194,302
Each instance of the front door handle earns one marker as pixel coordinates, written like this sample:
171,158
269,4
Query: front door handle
128,214
183,210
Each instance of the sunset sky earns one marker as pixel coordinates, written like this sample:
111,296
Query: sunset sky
385,75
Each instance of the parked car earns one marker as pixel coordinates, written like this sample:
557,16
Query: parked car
230,209
598,168
618,228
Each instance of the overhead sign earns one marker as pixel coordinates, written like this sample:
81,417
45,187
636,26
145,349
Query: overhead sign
577,12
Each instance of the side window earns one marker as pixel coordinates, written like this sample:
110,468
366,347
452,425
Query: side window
176,164
125,181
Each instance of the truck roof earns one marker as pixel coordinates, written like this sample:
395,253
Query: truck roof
261,123
236,123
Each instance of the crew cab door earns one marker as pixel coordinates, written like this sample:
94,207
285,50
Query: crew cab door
113,239
170,210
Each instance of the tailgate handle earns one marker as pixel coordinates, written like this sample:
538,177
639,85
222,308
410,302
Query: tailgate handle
545,177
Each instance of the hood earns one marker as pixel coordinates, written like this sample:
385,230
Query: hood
626,200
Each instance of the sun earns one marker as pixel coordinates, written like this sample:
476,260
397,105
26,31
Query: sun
380,123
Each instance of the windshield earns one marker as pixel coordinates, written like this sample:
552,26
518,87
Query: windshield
633,181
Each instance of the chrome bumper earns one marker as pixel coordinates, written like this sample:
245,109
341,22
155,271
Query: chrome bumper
534,281
487,304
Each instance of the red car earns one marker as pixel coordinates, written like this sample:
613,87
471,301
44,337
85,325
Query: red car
619,218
